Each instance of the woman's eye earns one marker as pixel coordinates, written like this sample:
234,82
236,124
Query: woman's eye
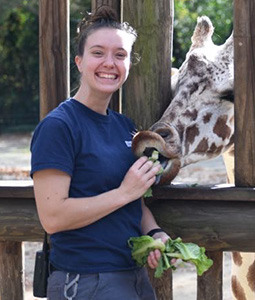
121,55
97,53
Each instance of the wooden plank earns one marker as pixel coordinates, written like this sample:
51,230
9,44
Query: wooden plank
17,191
19,220
14,189
209,285
115,103
147,92
244,49
204,193
54,53
216,225
11,271
200,213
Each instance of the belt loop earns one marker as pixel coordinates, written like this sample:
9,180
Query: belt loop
72,284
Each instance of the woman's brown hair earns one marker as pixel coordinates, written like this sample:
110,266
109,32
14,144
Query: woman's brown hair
103,17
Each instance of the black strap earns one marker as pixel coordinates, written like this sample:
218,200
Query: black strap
46,246
155,230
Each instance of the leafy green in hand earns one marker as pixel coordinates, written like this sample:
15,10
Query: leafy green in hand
154,158
188,252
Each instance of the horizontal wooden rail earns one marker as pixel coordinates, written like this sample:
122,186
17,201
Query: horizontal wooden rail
221,219
18,215
222,192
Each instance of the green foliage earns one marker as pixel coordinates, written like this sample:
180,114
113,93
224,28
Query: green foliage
19,60
19,67
186,12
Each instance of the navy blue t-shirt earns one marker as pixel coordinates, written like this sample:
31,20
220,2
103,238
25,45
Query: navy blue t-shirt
95,150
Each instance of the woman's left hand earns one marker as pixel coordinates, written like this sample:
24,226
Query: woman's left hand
154,256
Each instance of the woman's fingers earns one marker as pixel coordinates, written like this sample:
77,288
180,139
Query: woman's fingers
139,178
140,162
146,166
154,258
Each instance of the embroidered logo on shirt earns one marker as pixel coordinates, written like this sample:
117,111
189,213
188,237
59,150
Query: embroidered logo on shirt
128,143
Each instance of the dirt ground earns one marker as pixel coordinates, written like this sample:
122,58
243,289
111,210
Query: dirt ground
15,165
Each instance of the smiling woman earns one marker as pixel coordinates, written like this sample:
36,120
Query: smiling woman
88,184
105,63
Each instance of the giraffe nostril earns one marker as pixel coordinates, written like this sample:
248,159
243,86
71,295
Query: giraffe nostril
164,133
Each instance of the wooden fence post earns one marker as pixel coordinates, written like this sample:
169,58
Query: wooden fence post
115,4
115,103
209,285
163,286
147,92
244,45
54,53
11,271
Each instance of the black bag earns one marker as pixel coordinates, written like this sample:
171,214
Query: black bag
41,271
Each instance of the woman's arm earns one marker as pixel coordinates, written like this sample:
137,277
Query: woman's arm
149,223
58,212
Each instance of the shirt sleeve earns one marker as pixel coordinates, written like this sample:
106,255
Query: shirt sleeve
52,147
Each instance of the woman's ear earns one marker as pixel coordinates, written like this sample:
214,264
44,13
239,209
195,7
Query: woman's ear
78,60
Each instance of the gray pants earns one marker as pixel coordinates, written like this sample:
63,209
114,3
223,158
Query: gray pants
125,285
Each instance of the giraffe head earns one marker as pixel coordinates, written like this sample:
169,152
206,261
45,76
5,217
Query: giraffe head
199,122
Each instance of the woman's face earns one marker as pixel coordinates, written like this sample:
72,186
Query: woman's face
105,63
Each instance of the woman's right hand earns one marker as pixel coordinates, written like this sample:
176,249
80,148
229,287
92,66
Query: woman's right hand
139,178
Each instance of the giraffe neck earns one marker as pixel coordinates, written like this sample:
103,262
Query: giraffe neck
243,264
229,161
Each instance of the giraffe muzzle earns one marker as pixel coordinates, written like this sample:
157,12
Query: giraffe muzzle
145,142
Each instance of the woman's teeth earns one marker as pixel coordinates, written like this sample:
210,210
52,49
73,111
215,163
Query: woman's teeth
107,76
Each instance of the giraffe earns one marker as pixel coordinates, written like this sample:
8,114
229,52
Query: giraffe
199,125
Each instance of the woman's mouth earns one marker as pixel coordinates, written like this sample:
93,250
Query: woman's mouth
107,76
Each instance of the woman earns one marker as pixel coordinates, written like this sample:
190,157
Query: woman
87,183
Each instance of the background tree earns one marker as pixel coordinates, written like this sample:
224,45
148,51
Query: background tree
19,66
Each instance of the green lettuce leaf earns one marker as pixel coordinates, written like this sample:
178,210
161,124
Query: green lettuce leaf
154,158
188,252
142,246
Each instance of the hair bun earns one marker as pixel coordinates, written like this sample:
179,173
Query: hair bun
103,17
105,13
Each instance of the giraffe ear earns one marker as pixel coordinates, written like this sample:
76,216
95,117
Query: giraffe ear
174,71
229,44
174,79
203,32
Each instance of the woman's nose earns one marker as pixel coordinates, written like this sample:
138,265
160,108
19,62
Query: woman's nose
109,61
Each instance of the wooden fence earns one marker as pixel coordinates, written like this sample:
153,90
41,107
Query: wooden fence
221,219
